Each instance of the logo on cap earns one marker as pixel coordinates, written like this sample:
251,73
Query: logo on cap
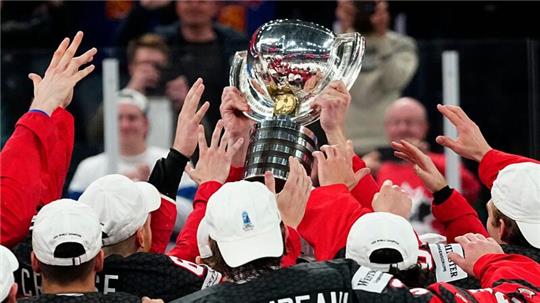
246,222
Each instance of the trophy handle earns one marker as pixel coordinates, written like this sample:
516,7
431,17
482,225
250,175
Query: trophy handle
236,68
349,50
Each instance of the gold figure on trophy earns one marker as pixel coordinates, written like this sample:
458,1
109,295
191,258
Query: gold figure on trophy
285,102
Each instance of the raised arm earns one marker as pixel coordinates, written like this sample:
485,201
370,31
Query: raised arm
210,173
36,157
448,206
167,172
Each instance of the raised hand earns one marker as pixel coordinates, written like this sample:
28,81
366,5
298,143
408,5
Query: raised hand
333,102
423,165
293,197
233,104
392,199
189,119
55,89
470,142
334,166
474,247
214,161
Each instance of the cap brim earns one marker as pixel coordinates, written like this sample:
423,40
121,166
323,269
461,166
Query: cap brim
242,251
151,196
530,232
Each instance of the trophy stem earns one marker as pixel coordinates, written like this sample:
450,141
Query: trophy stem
271,144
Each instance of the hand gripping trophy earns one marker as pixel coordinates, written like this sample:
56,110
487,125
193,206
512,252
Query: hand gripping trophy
288,63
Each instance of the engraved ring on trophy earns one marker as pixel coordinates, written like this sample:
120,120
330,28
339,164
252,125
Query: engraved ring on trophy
288,63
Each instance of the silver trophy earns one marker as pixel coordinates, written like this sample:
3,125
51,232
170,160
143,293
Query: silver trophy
288,63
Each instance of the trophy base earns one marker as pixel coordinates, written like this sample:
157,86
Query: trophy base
271,144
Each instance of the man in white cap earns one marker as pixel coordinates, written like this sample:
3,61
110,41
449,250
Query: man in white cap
124,209
8,264
66,241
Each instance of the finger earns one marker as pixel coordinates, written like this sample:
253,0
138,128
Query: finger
404,156
459,112
36,79
319,156
58,54
449,114
269,181
83,73
232,150
193,101
462,240
199,115
224,142
387,184
326,150
415,153
216,134
457,259
76,62
361,173
191,172
447,142
71,51
201,138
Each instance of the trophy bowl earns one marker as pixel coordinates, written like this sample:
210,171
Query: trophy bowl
289,63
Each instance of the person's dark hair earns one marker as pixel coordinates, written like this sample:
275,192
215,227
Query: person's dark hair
362,20
217,262
511,234
415,276
149,41
66,274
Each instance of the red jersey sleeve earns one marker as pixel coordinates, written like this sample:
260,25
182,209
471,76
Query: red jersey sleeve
366,188
494,267
24,159
235,174
495,160
186,243
457,217
330,212
162,224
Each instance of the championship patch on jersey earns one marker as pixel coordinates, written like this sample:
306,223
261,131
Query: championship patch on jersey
370,280
445,269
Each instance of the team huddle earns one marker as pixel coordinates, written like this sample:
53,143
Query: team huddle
243,241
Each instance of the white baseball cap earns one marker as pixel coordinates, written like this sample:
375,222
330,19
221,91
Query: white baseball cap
243,218
8,264
202,240
133,97
516,194
121,204
66,221
381,230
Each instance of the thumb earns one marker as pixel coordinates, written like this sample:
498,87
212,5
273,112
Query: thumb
446,142
191,172
458,260
269,181
36,79
361,173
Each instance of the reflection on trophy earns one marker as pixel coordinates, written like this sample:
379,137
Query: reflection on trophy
288,63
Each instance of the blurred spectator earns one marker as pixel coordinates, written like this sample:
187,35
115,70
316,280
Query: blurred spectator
406,119
200,48
390,60
136,158
148,61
